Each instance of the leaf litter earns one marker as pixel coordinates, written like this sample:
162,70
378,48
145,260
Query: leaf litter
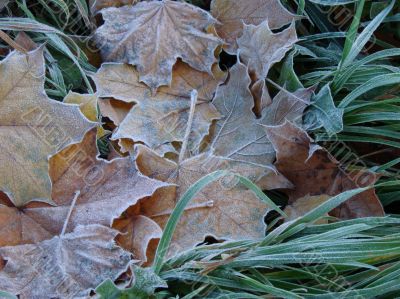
176,117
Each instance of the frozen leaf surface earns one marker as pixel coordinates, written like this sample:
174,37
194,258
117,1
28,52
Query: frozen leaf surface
152,35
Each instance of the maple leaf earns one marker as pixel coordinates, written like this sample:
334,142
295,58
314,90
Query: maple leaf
226,212
137,231
67,266
32,127
314,172
97,5
160,119
115,110
259,49
107,189
239,135
149,36
233,14
88,105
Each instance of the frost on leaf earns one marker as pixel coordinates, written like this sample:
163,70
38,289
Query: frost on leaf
152,35
260,49
107,189
88,104
222,209
32,128
144,286
97,5
67,266
158,120
313,171
233,14
137,231
239,135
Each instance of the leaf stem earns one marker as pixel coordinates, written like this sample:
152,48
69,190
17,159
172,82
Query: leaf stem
193,101
77,193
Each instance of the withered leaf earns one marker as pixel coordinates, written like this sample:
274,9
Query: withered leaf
67,266
222,209
149,36
260,48
313,171
96,5
137,231
232,14
160,119
107,189
303,205
32,127
239,135
115,110
88,106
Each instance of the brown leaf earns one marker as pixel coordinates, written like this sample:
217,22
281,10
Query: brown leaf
137,232
32,127
115,110
303,205
149,36
260,48
67,266
239,135
222,209
25,41
107,189
313,171
232,14
160,119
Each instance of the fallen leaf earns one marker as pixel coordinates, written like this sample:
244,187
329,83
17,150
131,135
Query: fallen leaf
148,36
32,127
313,171
137,232
67,266
88,106
97,5
160,119
260,48
239,135
303,205
232,14
25,41
115,110
222,209
107,189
